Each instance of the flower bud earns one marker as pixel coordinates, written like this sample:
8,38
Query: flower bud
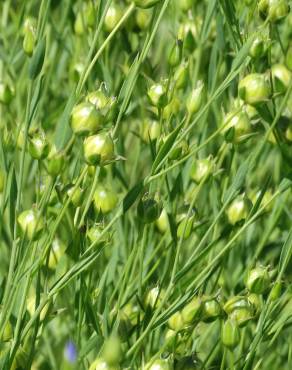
57,251
185,226
6,93
29,41
276,291
256,301
181,75
282,78
154,297
172,108
188,33
159,365
196,98
76,194
31,305
288,58
236,126
151,130
258,280
254,89
158,95
98,149
239,209
112,351
230,334
38,145
85,18
211,310
175,55
85,119
7,333
31,224
146,3
201,168
105,199
175,322
148,209
112,17
191,312
162,222
274,10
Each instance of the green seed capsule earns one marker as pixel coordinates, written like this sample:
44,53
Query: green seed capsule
158,95
151,130
230,334
76,195
239,309
112,351
234,303
282,78
98,99
85,18
38,146
239,209
162,222
85,119
94,234
113,16
236,126
29,30
201,168
196,98
288,58
98,149
55,163
185,226
276,291
192,311
258,48
256,301
7,333
185,5
211,310
6,93
274,10
242,316
254,89
181,76
175,322
105,199
172,108
101,364
146,3
31,224
148,209
258,280
143,18
57,251
154,297
159,365
175,55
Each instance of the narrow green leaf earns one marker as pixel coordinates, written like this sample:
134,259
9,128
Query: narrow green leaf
132,196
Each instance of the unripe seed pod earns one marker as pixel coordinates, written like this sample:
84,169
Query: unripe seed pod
38,146
159,365
31,306
254,89
288,59
2,181
242,315
77,195
186,5
276,291
211,310
191,312
98,149
56,252
85,119
185,226
6,93
112,351
256,302
175,322
201,168
143,18
113,16
85,18
30,29
101,364
236,302
151,130
196,98
175,55
94,234
236,126
239,209
148,209
98,99
172,108
7,333
105,199
274,10
162,222
230,334
146,3
258,48
158,95
258,280
282,78
181,75
56,161
31,224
